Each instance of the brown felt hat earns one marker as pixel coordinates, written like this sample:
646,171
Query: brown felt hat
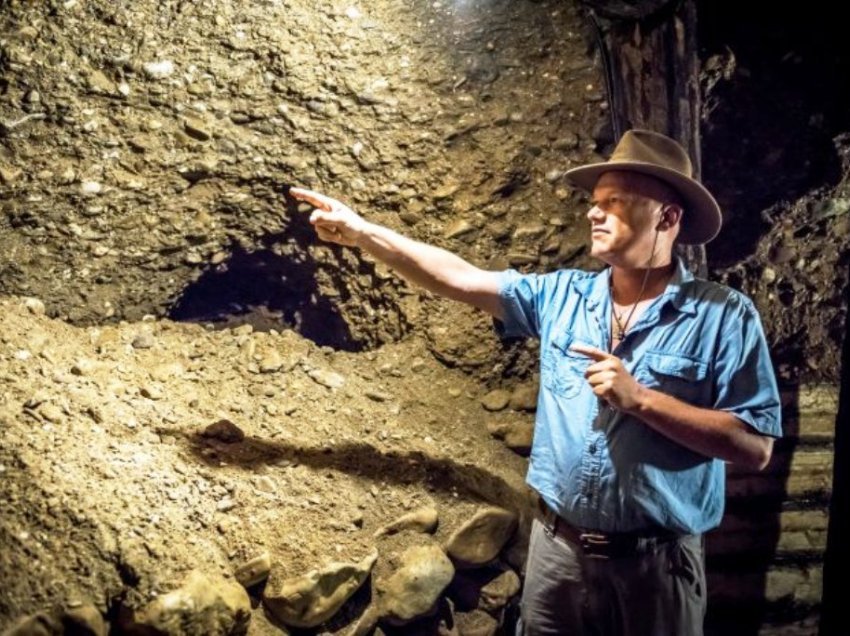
659,156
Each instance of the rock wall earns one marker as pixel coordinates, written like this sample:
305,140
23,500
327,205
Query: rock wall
777,154
149,146
145,152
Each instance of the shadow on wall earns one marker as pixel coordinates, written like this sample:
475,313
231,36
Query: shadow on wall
764,562
742,550
837,556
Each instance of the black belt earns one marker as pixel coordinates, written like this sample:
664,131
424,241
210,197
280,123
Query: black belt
604,545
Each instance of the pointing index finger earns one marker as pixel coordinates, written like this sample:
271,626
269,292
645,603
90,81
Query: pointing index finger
590,352
313,198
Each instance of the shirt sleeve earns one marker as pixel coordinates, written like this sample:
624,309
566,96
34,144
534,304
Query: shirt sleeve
526,299
746,384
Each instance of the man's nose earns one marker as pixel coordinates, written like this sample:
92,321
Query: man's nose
595,214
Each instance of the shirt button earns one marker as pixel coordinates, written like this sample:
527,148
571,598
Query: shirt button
592,448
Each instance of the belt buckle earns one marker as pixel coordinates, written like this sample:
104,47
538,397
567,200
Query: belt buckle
595,545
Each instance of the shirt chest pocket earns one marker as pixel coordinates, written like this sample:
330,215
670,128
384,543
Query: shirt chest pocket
562,370
683,377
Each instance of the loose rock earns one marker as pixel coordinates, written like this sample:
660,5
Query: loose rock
310,600
524,398
422,520
254,571
84,620
480,540
204,605
519,436
411,591
224,431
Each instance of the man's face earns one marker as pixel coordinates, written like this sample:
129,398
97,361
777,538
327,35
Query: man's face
623,219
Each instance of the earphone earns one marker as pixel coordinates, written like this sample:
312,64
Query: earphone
664,223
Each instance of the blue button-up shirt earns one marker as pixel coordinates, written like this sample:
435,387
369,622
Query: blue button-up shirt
604,470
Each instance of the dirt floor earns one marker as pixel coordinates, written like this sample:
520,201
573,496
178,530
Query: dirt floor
112,493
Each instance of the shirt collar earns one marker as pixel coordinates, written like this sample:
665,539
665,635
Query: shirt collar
595,288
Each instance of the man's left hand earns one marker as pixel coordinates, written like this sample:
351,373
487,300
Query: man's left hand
609,378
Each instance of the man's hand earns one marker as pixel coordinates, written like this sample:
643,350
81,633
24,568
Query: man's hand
609,378
435,269
334,221
711,432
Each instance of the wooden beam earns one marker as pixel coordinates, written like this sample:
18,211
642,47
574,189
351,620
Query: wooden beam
649,51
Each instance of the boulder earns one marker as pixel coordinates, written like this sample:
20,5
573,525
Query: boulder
479,540
311,599
206,605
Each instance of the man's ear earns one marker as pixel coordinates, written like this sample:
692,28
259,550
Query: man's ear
671,213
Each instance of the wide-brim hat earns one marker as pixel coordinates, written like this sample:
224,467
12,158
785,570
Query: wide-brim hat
659,156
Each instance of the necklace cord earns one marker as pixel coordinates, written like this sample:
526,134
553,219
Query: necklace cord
622,326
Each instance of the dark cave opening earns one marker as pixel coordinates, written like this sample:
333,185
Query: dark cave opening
291,279
268,291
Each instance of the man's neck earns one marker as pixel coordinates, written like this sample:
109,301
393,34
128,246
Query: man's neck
627,283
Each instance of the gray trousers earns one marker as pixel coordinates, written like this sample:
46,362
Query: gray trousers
659,591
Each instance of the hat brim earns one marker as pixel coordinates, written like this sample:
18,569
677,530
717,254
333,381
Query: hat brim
702,218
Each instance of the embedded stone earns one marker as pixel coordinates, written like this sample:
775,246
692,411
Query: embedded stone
166,371
517,259
143,341
205,604
158,70
254,571
496,400
311,599
329,379
271,362
414,589
224,431
534,230
480,539
35,306
196,129
421,520
458,228
51,412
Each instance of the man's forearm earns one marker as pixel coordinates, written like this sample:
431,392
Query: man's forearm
706,431
433,268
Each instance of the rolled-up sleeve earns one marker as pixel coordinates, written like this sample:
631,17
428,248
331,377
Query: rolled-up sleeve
527,300
746,384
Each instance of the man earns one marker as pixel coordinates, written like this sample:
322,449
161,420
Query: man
650,380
